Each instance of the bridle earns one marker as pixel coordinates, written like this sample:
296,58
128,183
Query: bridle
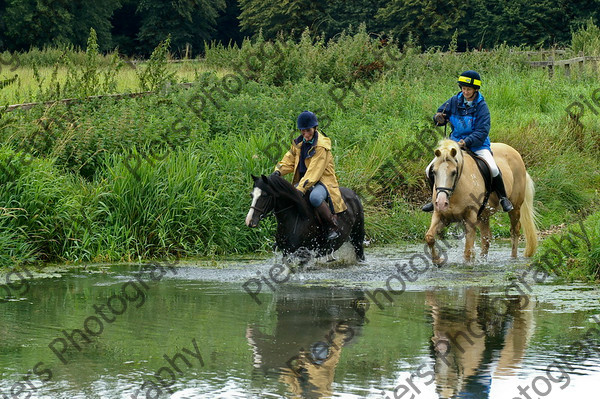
450,190
264,214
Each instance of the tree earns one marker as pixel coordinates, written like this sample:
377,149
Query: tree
534,23
93,14
429,22
341,14
2,26
274,16
37,23
126,24
188,21
228,24
42,23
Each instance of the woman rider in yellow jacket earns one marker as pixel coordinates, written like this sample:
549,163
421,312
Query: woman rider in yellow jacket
311,161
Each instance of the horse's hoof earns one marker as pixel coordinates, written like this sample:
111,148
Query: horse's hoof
439,262
468,260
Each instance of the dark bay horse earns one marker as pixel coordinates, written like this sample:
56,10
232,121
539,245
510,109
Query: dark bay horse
297,223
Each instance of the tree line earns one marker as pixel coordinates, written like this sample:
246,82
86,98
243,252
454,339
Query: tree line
135,27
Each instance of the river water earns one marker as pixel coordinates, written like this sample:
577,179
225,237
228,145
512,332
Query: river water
392,327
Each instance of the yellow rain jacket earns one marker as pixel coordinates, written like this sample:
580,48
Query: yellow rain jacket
319,167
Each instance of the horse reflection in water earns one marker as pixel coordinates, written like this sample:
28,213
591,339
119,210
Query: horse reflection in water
305,346
470,340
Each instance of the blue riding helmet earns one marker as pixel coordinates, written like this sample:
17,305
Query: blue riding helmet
306,120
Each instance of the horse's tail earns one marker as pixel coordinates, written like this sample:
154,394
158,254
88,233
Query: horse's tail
528,218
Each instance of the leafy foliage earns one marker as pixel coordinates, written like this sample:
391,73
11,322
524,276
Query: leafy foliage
586,39
430,22
137,26
186,21
273,17
85,76
154,75
42,23
577,254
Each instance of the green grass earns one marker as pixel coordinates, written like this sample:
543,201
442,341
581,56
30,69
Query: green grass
78,200
25,88
578,256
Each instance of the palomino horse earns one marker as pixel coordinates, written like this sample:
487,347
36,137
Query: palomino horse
459,192
297,223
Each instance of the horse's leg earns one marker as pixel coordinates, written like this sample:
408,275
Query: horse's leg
434,229
486,235
515,229
470,229
357,237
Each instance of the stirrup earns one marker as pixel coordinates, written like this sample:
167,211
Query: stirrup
507,206
333,234
427,207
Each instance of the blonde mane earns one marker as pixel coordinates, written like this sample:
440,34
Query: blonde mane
445,148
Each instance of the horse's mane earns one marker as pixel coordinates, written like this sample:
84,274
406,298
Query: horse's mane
445,148
280,187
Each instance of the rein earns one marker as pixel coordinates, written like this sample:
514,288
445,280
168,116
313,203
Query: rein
264,214
283,210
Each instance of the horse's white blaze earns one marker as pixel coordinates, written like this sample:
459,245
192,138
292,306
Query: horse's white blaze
255,195
442,175
441,199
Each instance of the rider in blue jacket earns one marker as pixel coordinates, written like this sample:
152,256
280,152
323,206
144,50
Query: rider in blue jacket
469,118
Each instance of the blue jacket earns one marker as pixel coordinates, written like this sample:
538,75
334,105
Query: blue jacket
471,124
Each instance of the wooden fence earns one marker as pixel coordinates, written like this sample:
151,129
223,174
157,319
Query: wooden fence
567,64
26,106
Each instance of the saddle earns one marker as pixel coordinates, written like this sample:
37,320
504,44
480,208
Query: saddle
484,169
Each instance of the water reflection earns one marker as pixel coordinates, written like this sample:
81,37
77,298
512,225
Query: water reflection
477,337
304,341
310,333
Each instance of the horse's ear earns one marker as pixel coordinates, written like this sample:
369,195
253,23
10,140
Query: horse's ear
453,152
437,153
254,178
264,178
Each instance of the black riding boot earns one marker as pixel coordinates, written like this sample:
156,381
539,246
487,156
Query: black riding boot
428,207
330,218
498,187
